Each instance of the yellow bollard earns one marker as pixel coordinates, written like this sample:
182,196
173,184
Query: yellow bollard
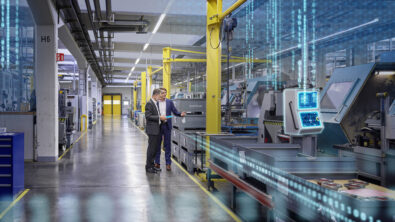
86,122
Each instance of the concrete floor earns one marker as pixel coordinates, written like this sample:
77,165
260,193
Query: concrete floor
103,179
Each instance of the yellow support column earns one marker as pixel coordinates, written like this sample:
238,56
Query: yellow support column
167,70
213,68
135,95
143,91
189,86
149,70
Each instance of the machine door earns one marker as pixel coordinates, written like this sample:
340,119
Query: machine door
116,104
107,105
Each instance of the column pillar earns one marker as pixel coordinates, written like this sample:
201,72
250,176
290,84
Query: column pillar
46,79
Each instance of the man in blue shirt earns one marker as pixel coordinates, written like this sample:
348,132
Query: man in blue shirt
166,106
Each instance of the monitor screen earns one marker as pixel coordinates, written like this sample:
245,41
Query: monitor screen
334,97
310,119
307,100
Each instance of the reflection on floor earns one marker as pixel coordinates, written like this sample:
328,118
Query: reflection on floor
103,179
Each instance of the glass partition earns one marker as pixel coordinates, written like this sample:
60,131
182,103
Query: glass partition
17,57
305,40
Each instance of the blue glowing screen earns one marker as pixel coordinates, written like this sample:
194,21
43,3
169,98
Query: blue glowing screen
307,100
310,119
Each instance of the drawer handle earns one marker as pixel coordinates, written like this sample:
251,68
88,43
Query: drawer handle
5,165
5,156
5,146
5,175
5,185
5,139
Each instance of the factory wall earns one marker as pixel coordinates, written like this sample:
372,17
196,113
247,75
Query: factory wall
127,96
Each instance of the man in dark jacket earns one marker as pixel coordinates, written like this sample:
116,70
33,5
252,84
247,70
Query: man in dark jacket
166,106
154,120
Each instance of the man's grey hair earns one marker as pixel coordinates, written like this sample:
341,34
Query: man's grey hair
156,92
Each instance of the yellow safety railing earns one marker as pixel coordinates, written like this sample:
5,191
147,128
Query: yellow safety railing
86,123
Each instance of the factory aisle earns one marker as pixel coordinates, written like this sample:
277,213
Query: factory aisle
103,179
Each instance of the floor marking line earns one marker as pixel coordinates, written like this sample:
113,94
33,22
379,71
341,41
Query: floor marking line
215,199
68,149
13,203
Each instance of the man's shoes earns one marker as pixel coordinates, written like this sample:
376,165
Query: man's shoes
168,168
157,167
150,170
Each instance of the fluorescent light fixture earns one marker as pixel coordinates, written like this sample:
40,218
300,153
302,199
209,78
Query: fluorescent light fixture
162,16
145,46
137,61
386,73
119,86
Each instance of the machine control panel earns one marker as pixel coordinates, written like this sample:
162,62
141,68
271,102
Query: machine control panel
302,112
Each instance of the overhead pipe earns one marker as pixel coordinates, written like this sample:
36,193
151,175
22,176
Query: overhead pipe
103,46
122,22
97,10
108,10
88,6
76,10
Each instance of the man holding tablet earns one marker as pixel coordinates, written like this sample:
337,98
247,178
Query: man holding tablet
166,107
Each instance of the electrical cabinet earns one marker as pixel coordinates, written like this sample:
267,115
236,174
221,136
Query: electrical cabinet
11,164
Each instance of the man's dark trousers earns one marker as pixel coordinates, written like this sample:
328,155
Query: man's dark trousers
165,132
153,148
153,131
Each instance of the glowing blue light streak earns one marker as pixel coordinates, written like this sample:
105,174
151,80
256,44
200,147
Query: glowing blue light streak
305,45
307,193
313,47
299,46
17,34
8,34
2,27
